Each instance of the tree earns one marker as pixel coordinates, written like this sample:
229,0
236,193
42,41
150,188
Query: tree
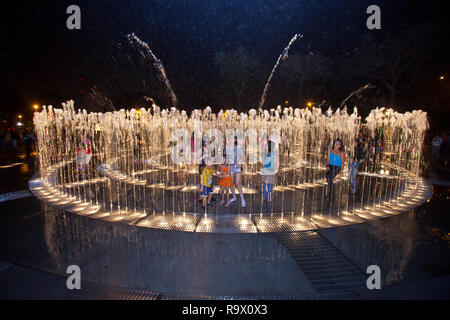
307,72
394,60
238,68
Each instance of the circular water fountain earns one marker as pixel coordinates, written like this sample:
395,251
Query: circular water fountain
133,177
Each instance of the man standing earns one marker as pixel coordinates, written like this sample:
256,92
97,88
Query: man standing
358,156
436,145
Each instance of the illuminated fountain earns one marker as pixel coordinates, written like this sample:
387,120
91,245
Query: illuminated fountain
132,178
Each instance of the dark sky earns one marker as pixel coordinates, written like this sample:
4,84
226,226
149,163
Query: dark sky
43,61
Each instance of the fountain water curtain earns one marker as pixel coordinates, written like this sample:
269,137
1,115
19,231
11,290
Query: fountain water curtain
132,178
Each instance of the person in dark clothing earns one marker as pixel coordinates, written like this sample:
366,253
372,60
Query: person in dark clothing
378,150
358,156
7,140
15,138
28,139
443,149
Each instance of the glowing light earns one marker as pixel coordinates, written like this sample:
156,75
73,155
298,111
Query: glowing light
347,218
11,165
243,222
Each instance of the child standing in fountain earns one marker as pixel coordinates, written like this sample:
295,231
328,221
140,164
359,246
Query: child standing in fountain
207,192
225,181
269,171
84,154
336,158
202,165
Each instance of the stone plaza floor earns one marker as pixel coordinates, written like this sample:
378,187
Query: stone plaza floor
119,261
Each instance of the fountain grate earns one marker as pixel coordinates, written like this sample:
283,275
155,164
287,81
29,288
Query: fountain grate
226,224
283,224
178,222
327,268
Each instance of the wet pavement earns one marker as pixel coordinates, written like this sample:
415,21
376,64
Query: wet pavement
410,247
118,261
15,170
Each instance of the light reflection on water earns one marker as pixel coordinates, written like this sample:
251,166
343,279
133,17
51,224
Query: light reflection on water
407,247
168,261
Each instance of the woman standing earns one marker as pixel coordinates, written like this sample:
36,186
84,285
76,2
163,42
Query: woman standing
336,158
269,171
236,172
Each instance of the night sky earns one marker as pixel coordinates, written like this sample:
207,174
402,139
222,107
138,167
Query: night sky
43,62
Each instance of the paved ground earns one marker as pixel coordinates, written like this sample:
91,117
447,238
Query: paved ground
16,169
122,262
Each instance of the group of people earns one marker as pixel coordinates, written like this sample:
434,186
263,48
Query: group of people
230,175
336,159
440,146
11,138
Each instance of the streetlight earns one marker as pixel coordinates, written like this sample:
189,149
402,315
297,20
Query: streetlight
286,102
437,94
309,104
36,107
19,116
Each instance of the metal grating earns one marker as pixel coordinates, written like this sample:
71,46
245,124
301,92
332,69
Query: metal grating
327,221
283,224
102,292
226,224
169,221
328,270
129,218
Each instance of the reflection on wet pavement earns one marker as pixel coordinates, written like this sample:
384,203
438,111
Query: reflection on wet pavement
412,250
15,172
413,246
173,262
409,248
